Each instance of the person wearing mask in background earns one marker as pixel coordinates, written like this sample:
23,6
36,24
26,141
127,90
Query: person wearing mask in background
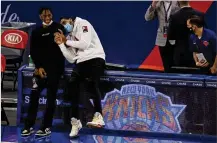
180,33
203,45
162,10
85,49
49,66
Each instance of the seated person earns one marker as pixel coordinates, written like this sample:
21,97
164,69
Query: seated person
203,45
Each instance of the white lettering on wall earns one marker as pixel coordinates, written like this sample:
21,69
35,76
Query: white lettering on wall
7,16
41,100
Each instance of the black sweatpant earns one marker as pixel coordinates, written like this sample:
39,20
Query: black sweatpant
51,83
166,53
78,88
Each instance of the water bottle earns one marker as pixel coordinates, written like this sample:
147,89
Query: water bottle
31,64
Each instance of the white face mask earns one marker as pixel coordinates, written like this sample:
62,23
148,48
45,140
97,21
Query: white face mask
48,24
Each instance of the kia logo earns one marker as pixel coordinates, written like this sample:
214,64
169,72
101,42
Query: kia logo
13,38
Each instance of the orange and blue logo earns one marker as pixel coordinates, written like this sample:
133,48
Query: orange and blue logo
140,108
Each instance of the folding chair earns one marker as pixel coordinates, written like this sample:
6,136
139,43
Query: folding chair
14,39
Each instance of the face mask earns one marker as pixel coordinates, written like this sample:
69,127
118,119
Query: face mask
191,30
47,24
68,27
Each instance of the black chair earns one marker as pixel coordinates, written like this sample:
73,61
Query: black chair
13,39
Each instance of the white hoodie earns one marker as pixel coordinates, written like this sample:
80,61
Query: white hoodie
83,42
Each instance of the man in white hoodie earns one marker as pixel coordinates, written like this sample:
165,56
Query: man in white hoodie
82,47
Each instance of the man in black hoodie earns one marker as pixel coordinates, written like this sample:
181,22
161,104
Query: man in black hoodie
49,63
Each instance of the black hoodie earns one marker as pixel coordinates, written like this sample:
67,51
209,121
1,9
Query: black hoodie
44,51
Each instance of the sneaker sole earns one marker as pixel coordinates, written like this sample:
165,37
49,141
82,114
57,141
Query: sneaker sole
26,135
41,135
73,137
95,126
76,135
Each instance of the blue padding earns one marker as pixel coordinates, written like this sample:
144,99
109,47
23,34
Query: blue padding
155,75
150,75
149,135
144,74
211,81
147,75
211,78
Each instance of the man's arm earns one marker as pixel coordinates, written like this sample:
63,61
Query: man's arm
213,69
83,39
69,54
214,47
215,63
151,12
34,49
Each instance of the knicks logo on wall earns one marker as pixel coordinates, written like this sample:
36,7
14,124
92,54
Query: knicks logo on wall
140,108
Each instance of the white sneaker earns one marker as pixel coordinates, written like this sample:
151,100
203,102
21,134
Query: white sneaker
76,126
97,121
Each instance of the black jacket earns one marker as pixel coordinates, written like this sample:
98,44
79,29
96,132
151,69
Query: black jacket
178,31
44,51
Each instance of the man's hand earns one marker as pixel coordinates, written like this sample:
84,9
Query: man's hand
202,64
60,34
213,69
154,3
41,72
58,40
36,72
205,64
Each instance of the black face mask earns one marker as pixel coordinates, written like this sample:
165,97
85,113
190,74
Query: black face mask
191,30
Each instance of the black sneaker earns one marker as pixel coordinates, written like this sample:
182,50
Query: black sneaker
27,132
42,133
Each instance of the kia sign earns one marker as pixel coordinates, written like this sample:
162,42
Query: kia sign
14,39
